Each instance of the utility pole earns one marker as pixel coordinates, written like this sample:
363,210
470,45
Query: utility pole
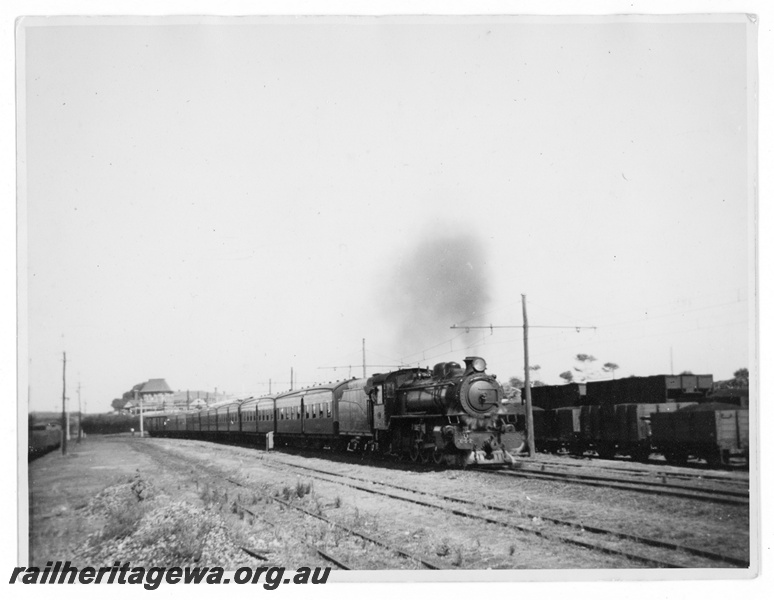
527,393
142,424
64,401
364,360
270,387
671,362
67,420
80,413
291,379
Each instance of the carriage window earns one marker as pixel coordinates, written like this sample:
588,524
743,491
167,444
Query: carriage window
328,409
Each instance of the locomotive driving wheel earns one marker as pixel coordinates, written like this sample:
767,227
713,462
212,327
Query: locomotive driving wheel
414,452
438,455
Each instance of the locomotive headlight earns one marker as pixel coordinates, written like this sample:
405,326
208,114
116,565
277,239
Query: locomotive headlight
479,365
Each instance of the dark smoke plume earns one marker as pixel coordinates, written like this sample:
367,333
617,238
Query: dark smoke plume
441,282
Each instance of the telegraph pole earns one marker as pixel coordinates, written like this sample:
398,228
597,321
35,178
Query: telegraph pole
64,401
671,362
527,393
364,360
67,420
80,413
142,424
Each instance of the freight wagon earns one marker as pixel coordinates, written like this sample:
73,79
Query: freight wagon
636,416
654,389
714,431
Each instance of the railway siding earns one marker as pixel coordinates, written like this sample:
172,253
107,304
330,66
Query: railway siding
721,531
318,509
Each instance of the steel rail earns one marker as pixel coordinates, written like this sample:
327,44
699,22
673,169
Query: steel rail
494,521
351,531
635,471
722,497
599,530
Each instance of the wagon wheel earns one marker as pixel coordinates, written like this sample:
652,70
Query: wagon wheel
678,457
414,453
575,449
606,451
714,458
641,454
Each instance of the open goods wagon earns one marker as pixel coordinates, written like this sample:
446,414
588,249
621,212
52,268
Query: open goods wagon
648,390
549,397
713,431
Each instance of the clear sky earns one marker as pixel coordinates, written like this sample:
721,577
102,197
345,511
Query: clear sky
215,204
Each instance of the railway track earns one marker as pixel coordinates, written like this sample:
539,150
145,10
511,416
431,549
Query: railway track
327,556
423,561
658,486
574,528
411,561
662,483
642,469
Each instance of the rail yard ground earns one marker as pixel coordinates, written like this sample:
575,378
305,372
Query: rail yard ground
181,502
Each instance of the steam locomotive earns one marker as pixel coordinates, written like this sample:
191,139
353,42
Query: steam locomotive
450,414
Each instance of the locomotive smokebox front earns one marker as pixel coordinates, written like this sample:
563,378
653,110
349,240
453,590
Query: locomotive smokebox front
480,396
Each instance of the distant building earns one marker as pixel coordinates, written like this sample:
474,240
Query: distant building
153,395
194,399
156,395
